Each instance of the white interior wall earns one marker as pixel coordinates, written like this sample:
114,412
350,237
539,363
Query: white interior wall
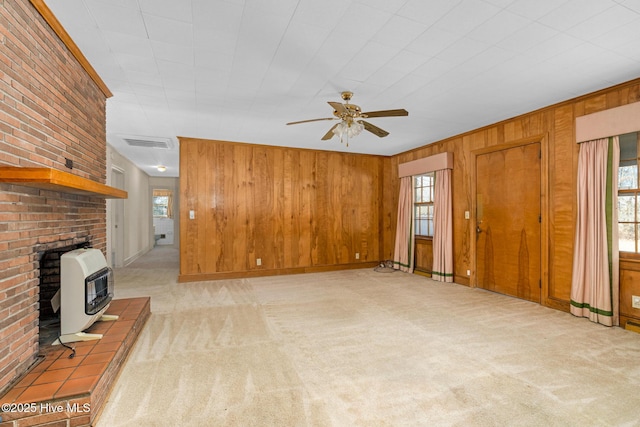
138,218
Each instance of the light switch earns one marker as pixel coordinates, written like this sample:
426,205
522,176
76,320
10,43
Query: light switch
467,215
192,214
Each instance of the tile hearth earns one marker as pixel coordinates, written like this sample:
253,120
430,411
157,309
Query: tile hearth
61,389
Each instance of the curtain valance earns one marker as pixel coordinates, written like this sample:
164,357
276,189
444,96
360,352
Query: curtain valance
426,165
607,123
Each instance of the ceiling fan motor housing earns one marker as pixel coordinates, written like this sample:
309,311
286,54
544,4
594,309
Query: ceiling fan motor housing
349,112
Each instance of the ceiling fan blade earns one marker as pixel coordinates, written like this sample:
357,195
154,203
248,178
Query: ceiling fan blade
374,129
386,113
312,120
338,107
327,136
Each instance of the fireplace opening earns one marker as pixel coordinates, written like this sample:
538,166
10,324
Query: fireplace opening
49,320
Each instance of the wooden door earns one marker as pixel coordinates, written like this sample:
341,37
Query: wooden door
508,221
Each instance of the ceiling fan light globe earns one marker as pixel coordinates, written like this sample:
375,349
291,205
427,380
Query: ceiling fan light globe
354,129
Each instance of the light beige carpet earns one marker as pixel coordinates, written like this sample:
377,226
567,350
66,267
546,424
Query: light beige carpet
361,348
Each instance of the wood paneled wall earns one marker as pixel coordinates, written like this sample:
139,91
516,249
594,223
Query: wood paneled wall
295,210
424,255
303,210
554,126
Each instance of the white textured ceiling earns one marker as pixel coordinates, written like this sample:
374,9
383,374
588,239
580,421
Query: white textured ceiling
238,70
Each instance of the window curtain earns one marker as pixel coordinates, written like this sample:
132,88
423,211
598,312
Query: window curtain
403,253
169,195
443,228
595,281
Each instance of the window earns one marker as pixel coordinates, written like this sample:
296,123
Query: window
423,204
162,203
628,195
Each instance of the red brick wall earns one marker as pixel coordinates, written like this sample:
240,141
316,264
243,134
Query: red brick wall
50,110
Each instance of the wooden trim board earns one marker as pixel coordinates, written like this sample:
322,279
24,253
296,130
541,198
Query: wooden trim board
53,179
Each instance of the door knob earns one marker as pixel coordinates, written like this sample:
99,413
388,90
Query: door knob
478,229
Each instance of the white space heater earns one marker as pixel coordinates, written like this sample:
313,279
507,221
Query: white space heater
86,289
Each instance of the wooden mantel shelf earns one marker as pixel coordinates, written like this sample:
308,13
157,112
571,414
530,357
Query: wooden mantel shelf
53,179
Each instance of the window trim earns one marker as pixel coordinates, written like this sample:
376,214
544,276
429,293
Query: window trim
416,204
631,191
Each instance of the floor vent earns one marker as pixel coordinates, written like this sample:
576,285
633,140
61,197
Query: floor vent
632,326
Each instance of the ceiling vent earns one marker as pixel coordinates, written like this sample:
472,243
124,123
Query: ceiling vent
143,142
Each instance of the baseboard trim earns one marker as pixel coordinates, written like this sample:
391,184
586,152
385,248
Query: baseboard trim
134,257
182,278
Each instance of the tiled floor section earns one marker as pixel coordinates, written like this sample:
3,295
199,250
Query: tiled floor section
85,378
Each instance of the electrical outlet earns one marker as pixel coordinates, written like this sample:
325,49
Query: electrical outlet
468,272
258,261
635,301
357,255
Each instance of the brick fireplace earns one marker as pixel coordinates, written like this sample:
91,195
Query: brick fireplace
37,228
52,115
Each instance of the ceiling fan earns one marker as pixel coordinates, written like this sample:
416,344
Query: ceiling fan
351,119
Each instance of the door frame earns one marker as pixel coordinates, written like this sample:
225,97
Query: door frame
116,253
543,140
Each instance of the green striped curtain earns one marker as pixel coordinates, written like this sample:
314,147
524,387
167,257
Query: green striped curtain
403,253
595,279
